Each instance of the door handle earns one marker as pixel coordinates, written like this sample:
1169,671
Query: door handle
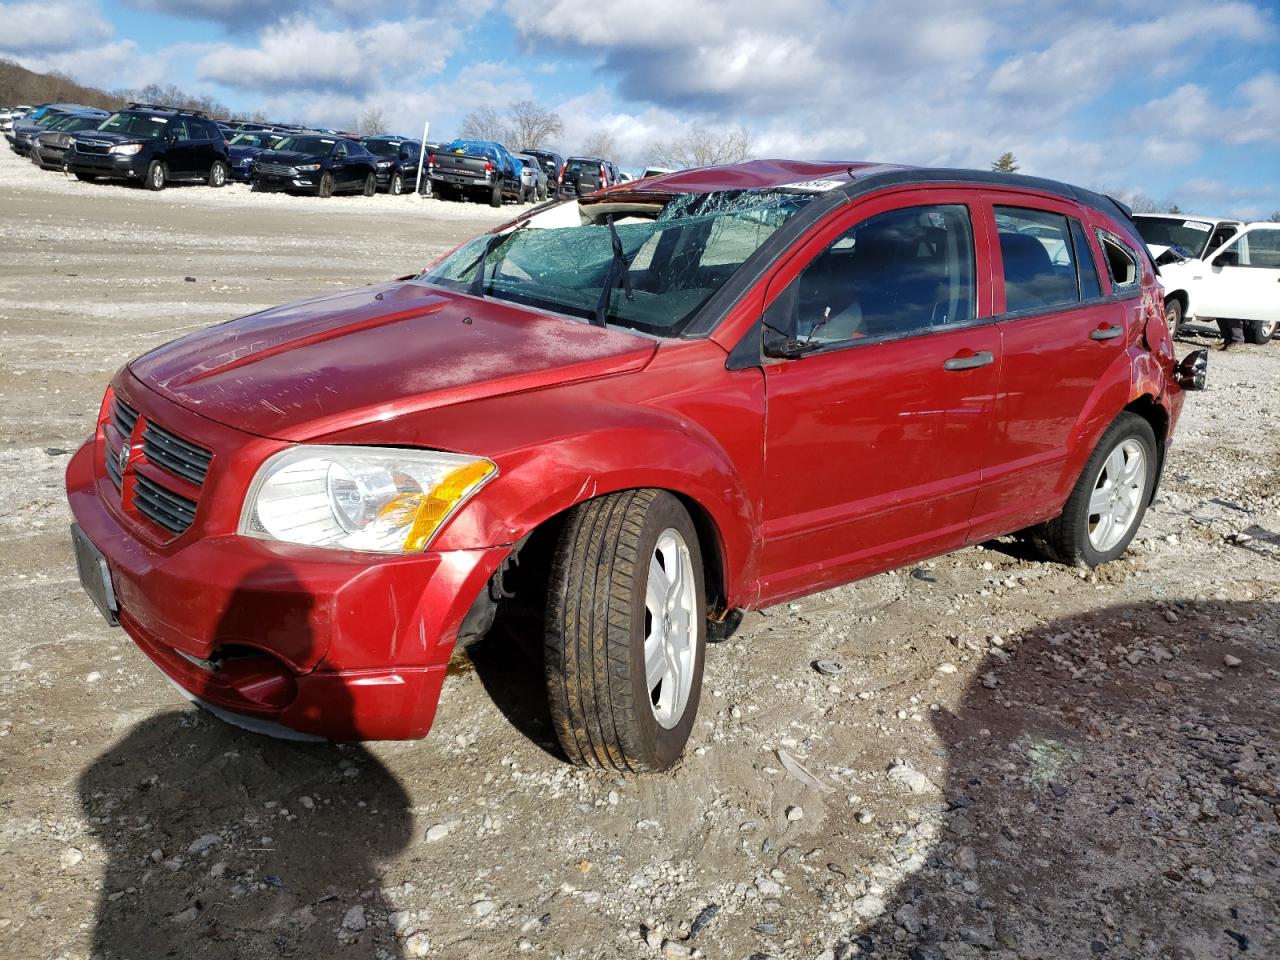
980,359
1106,333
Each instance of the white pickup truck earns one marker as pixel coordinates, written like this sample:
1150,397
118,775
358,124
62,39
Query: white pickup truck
1217,269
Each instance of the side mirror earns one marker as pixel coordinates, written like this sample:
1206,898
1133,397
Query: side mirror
1228,258
1193,370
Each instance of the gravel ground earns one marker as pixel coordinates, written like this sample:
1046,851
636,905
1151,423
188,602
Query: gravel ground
1018,760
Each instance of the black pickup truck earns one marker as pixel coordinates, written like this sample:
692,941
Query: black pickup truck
479,169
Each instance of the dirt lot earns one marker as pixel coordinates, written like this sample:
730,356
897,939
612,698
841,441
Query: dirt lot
1018,761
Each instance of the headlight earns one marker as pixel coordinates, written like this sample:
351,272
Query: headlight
126,149
377,499
308,168
383,164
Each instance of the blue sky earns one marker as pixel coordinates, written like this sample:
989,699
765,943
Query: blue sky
1179,101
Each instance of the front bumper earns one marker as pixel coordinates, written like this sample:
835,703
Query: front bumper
271,181
116,166
326,643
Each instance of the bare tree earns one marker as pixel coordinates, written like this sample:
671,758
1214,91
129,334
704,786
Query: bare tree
701,147
371,123
484,124
1275,217
599,143
531,125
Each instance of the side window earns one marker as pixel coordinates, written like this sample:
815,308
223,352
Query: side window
1037,255
179,130
340,150
1220,236
1257,248
890,275
1122,264
1090,285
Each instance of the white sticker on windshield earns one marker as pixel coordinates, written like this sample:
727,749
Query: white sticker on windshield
815,185
160,119
1197,225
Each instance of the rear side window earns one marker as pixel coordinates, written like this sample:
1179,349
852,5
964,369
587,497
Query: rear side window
891,275
1038,258
1122,264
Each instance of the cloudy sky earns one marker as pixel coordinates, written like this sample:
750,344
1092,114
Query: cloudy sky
1179,100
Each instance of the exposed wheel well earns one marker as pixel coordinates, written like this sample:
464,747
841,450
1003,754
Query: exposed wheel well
1181,297
1147,408
516,595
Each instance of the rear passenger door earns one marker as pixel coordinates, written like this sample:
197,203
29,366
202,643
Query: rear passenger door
877,424
181,152
1060,332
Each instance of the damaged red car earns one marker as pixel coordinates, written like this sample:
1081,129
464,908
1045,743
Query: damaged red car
621,421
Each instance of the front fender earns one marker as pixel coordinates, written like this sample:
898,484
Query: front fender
651,450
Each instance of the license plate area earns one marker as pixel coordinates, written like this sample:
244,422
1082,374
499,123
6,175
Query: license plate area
95,575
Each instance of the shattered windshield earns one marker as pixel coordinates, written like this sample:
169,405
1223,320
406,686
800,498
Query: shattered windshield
678,250
1192,236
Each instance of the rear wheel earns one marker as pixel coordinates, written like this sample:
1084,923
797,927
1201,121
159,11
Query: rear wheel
625,631
218,174
370,185
1107,504
1256,331
396,187
1173,315
495,197
155,175
326,185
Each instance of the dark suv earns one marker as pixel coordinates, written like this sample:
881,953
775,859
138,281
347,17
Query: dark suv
552,163
583,175
152,145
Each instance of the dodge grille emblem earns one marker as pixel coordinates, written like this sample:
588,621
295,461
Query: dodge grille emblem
122,458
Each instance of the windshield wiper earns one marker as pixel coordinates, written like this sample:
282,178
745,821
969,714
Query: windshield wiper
617,265
477,280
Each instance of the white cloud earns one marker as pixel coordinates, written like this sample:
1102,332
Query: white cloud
299,54
34,29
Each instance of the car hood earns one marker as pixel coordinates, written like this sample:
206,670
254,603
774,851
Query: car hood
240,151
290,158
107,137
308,369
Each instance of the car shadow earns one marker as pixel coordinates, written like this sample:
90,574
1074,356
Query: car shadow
224,843
508,662
1111,791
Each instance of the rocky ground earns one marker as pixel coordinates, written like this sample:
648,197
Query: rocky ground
1011,760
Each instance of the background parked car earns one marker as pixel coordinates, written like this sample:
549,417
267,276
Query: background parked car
583,175
1239,280
245,146
9,114
152,145
655,172
397,162
29,127
49,148
316,163
533,179
479,169
552,163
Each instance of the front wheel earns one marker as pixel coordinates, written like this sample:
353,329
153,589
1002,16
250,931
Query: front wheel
155,175
625,631
1173,315
1257,331
1107,503
396,187
325,189
218,174
370,185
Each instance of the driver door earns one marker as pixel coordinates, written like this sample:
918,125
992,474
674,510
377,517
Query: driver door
877,423
341,167
1242,280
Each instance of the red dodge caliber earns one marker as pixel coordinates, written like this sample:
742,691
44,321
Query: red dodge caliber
616,423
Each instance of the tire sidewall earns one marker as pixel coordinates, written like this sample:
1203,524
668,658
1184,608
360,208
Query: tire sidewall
325,189
396,186
658,745
1174,322
216,180
155,175
1126,427
370,185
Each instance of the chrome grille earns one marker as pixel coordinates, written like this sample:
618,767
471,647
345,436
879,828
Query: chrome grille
178,456
274,169
163,507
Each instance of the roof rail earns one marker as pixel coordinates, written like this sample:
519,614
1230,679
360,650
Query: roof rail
161,106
